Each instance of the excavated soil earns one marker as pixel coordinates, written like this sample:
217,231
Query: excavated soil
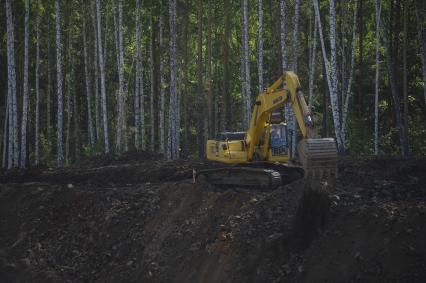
141,219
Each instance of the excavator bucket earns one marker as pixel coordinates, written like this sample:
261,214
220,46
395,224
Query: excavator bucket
318,157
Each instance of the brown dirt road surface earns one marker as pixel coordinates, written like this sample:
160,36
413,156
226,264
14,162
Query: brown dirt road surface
141,219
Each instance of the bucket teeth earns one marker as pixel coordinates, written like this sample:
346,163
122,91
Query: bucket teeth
318,157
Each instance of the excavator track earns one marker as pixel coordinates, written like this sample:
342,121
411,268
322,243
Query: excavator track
260,175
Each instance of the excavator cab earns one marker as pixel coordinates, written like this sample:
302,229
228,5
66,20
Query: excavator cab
278,141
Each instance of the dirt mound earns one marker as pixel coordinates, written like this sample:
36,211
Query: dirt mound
369,226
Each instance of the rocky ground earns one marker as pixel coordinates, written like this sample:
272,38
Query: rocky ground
141,219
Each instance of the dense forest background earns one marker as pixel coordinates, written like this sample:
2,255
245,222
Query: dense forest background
80,78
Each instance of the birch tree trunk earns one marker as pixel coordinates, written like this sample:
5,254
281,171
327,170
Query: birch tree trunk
283,35
292,119
162,98
88,83
174,103
260,47
312,65
102,73
69,82
200,96
331,74
13,146
210,98
37,90
226,98
25,98
96,75
247,91
377,80
121,100
394,89
49,96
152,76
59,134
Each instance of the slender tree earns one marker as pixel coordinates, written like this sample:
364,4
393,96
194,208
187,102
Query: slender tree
394,88
152,84
378,7
37,89
260,47
25,98
87,83
59,135
174,101
162,98
96,74
405,78
49,90
139,103
312,63
421,36
246,68
200,96
226,98
102,74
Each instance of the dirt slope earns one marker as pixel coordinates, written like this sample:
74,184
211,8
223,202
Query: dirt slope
142,219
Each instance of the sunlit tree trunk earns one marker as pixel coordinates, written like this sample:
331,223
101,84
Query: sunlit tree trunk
283,35
25,98
37,90
209,85
312,63
260,47
246,60
102,73
331,75
88,84
226,98
59,95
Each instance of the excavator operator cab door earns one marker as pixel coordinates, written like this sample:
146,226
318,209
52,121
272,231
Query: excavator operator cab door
278,141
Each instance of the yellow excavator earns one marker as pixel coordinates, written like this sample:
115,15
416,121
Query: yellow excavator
261,156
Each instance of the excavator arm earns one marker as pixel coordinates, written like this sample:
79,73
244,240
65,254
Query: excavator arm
286,89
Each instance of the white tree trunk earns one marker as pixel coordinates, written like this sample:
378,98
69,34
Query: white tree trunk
162,99
292,119
96,75
102,71
247,89
347,88
59,134
283,35
378,6
152,77
13,147
69,82
312,65
331,75
173,106
121,100
37,90
49,89
139,94
260,47
88,85
24,121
